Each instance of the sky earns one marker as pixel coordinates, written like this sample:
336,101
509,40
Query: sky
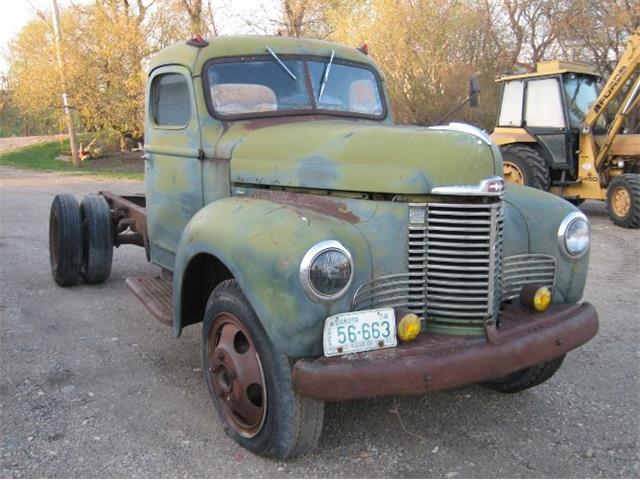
14,14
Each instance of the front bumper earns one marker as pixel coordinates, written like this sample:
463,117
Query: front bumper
436,362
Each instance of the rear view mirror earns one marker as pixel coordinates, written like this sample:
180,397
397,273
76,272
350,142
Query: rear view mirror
474,90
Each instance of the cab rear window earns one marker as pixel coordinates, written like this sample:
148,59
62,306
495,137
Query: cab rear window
171,103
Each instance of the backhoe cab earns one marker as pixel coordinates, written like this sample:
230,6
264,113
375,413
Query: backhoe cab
554,136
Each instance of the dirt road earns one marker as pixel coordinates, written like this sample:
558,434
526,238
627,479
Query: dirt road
91,385
10,143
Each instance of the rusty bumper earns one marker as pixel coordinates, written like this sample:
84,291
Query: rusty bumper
436,362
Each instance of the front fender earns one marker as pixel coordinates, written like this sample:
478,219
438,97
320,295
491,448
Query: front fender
262,242
542,213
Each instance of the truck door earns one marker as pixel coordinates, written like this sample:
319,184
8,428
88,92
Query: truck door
172,160
544,119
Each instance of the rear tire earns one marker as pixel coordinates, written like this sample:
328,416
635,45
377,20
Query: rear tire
241,365
97,239
526,378
623,200
65,240
525,166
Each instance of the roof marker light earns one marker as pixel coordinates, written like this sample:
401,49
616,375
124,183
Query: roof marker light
197,41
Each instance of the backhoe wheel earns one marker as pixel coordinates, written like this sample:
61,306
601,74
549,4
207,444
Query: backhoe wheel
623,200
97,239
526,378
523,165
65,240
250,383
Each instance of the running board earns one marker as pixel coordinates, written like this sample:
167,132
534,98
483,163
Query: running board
156,294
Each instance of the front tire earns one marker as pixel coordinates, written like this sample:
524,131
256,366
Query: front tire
526,378
523,165
250,382
623,200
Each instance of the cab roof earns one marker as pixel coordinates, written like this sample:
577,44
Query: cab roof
194,57
552,67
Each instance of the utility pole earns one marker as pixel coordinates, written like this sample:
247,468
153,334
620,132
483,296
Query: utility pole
65,98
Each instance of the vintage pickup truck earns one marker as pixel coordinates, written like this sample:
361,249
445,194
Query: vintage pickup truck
329,254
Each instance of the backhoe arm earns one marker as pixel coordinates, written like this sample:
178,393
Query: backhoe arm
625,69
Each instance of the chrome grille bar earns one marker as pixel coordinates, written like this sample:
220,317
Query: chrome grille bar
521,270
463,263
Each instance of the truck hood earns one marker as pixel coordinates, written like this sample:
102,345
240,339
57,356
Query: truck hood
355,156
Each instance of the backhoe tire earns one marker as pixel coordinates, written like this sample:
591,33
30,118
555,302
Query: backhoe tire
527,164
65,240
250,381
526,378
623,200
97,239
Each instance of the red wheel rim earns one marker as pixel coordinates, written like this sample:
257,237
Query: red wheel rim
236,375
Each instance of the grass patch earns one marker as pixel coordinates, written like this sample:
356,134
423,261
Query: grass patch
42,157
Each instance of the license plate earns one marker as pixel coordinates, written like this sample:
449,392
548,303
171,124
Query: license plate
359,331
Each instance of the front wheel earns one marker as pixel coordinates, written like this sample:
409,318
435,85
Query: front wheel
623,200
526,378
250,383
523,165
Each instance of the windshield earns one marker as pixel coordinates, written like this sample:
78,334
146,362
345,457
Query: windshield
263,87
581,92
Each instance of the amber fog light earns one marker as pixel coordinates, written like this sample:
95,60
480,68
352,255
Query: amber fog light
408,326
535,297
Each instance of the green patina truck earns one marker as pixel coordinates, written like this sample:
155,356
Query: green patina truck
329,254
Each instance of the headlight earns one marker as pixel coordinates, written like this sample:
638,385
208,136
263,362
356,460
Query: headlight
574,234
326,271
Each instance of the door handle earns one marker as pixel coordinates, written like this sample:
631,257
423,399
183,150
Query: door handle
146,156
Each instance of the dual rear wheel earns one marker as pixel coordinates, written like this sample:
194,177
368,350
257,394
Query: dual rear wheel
80,239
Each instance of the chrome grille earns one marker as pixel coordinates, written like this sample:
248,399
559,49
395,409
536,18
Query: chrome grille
454,268
521,270
462,251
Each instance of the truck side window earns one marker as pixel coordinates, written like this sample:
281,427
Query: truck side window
511,112
171,104
544,104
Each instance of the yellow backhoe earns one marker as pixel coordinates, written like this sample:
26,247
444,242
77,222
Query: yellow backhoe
553,133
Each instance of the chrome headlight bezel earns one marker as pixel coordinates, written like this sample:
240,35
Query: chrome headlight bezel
564,227
307,262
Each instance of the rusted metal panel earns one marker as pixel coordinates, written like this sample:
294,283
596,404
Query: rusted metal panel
155,294
361,156
130,210
318,203
435,362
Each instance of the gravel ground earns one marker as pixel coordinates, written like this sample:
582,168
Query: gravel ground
92,386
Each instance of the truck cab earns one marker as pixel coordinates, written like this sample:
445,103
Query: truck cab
328,253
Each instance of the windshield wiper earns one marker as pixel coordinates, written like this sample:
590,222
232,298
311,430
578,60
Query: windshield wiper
284,67
323,82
